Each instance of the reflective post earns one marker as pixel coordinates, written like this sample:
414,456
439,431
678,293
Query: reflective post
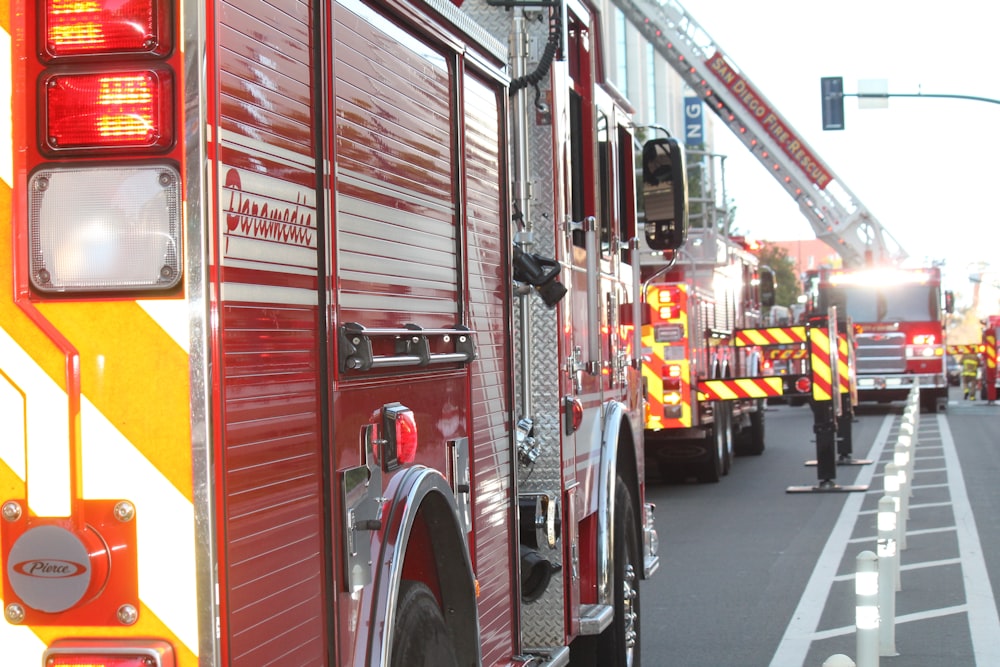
890,484
866,617
887,564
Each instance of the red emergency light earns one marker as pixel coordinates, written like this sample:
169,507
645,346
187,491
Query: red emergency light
72,28
399,436
118,109
109,653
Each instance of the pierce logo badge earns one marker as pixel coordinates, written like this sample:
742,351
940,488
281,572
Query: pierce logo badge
50,569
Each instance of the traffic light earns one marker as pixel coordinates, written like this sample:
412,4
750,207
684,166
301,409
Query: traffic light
833,102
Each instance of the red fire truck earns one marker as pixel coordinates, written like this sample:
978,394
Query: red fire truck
898,317
315,343
697,301
990,347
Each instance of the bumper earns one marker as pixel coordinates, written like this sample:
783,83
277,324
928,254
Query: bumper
901,382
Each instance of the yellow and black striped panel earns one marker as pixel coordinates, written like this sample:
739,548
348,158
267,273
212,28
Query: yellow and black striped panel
737,388
769,336
820,360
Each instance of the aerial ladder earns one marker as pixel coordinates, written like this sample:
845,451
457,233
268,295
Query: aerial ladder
836,215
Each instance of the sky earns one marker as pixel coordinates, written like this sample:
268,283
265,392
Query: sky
927,169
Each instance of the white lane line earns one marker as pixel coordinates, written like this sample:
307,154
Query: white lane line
906,618
794,645
910,566
984,624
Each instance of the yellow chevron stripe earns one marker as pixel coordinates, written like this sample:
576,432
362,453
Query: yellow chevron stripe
720,389
148,625
820,361
136,375
753,387
779,336
6,147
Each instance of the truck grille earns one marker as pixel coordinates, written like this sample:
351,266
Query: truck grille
881,353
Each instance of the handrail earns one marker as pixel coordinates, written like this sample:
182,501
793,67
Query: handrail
411,345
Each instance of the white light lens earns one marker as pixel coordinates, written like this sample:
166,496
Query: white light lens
105,229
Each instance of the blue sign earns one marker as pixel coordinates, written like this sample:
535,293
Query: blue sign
694,122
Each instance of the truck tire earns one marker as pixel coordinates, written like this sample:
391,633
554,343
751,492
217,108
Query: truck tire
618,645
420,637
730,437
714,466
751,440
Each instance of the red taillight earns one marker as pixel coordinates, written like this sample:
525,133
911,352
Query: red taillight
406,438
71,660
108,110
671,386
102,27
398,444
672,371
803,385
573,414
109,653
666,296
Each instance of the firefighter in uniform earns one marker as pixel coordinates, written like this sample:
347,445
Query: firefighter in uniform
970,371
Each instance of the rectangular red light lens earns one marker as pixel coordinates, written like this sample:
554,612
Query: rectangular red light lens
125,109
91,660
109,653
102,27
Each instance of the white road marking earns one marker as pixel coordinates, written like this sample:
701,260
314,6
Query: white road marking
801,630
984,624
980,606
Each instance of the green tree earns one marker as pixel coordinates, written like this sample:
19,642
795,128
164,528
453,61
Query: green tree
787,287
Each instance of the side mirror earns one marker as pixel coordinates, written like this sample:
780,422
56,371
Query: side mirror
949,302
767,288
664,193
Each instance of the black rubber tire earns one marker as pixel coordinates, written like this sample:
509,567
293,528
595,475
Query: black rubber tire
619,645
713,467
729,446
420,636
752,442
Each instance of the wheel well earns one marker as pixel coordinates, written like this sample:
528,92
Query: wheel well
436,553
627,469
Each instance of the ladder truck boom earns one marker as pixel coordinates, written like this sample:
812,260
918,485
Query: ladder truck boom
836,215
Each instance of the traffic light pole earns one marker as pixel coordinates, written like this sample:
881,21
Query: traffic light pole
833,100
974,98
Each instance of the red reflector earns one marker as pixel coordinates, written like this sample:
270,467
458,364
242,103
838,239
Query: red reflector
95,27
406,437
90,660
109,653
109,110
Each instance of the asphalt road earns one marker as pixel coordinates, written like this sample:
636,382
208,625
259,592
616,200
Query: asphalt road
750,576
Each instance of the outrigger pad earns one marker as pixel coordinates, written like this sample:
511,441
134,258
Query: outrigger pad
827,487
843,462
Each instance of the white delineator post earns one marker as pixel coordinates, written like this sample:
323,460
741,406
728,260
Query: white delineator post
888,562
866,616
